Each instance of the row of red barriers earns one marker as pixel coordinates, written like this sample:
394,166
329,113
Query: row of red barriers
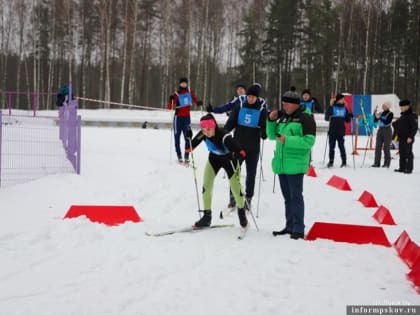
409,253
407,250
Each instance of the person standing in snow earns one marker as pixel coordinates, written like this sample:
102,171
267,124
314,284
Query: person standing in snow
384,135
406,129
226,108
337,114
311,103
293,129
181,101
224,152
237,100
248,120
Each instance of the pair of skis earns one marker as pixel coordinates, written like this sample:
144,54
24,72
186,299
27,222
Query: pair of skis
190,229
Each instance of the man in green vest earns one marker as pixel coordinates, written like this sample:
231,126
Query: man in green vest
293,129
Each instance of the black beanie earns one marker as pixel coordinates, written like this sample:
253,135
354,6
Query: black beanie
404,102
338,97
183,79
291,97
306,91
240,85
253,90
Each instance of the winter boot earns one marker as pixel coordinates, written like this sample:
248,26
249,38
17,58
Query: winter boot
205,220
282,232
330,164
343,164
243,221
297,235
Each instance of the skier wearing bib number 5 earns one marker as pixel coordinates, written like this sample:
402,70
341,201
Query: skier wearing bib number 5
249,121
181,101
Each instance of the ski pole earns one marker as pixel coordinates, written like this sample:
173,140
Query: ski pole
172,139
195,177
261,162
325,148
274,183
253,218
352,143
367,129
259,187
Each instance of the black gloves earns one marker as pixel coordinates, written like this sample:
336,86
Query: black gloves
209,108
200,103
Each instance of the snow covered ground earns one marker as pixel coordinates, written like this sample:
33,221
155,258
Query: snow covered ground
53,266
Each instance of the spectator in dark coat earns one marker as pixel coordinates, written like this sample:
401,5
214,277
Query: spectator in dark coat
406,129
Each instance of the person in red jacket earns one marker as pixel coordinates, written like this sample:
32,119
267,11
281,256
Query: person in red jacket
181,101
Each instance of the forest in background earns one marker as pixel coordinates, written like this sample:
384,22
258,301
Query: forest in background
134,51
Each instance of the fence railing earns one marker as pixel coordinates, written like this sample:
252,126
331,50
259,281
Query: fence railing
32,96
33,146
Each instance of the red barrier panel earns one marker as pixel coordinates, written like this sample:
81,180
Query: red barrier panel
402,241
339,183
349,233
408,250
410,254
109,215
383,216
311,172
414,276
367,199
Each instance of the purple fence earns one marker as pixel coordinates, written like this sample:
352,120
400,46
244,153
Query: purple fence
70,131
33,146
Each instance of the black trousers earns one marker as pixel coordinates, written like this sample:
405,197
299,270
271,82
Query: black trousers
406,155
340,140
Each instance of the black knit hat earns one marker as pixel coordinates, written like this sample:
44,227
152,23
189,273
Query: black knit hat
183,79
306,91
240,85
291,97
253,90
404,102
338,97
